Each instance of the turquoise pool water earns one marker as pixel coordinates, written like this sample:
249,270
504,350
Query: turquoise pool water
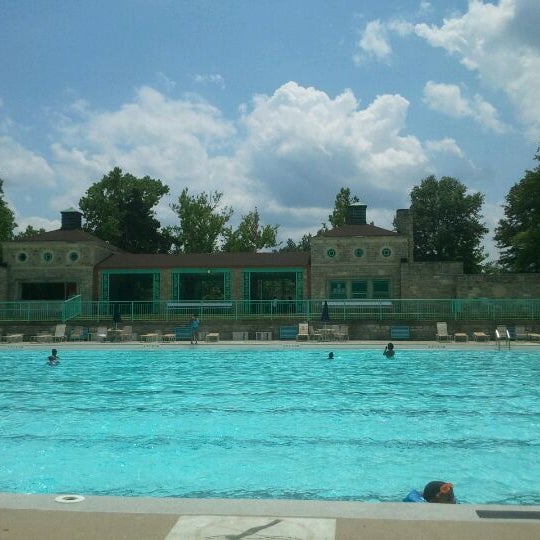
283,423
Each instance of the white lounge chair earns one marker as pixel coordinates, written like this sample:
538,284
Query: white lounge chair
303,332
442,332
59,333
480,336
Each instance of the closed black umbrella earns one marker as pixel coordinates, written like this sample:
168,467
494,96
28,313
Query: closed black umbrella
117,318
325,315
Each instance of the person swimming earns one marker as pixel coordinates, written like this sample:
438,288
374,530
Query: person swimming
53,359
330,356
389,350
435,491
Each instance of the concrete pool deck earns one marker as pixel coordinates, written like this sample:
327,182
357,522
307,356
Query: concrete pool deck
24,517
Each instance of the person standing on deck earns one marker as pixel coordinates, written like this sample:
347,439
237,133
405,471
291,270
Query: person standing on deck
194,328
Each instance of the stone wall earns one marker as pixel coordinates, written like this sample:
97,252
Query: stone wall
498,286
349,263
430,279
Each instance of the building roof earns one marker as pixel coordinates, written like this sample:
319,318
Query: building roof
352,231
67,235
205,260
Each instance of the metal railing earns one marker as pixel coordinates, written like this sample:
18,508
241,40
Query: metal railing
499,310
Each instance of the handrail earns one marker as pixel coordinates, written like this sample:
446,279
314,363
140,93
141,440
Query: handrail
511,311
71,308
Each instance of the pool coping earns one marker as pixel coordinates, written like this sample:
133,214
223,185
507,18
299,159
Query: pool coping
277,344
104,517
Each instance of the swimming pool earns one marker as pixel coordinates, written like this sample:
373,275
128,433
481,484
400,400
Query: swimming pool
284,423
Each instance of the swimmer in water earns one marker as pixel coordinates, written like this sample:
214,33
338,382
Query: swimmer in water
53,359
389,350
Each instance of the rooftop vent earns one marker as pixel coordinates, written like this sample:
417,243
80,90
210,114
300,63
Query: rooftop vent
356,214
71,219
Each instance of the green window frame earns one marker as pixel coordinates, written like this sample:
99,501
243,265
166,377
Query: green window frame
338,289
359,289
381,288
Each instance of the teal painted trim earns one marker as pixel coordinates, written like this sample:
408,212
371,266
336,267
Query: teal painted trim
104,278
273,270
199,270
247,286
156,287
176,278
123,272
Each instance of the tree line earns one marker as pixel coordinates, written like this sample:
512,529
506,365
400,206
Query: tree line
121,208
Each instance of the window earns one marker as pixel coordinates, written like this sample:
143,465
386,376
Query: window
359,289
331,252
386,252
381,288
47,256
358,252
22,256
338,289
73,256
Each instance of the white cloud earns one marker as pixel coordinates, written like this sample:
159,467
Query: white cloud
303,145
296,148
213,78
501,43
446,145
22,169
448,99
374,42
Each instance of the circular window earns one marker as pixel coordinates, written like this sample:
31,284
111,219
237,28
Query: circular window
331,252
386,252
47,256
358,252
73,256
22,256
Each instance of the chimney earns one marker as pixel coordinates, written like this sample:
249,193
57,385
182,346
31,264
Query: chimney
356,214
404,226
71,219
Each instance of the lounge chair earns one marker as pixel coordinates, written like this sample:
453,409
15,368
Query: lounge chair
341,333
442,332
79,333
303,332
520,333
502,334
43,337
59,333
126,333
315,334
151,336
480,336
13,338
100,334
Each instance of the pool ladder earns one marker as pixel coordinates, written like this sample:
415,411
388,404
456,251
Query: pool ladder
502,334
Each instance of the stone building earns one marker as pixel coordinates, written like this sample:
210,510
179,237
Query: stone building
355,263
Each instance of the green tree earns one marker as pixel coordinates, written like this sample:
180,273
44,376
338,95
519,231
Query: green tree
518,234
303,245
28,233
120,209
343,200
447,223
250,236
201,222
7,217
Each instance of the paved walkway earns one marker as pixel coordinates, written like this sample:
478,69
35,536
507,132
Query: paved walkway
110,518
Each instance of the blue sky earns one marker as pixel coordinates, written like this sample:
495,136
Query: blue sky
275,103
